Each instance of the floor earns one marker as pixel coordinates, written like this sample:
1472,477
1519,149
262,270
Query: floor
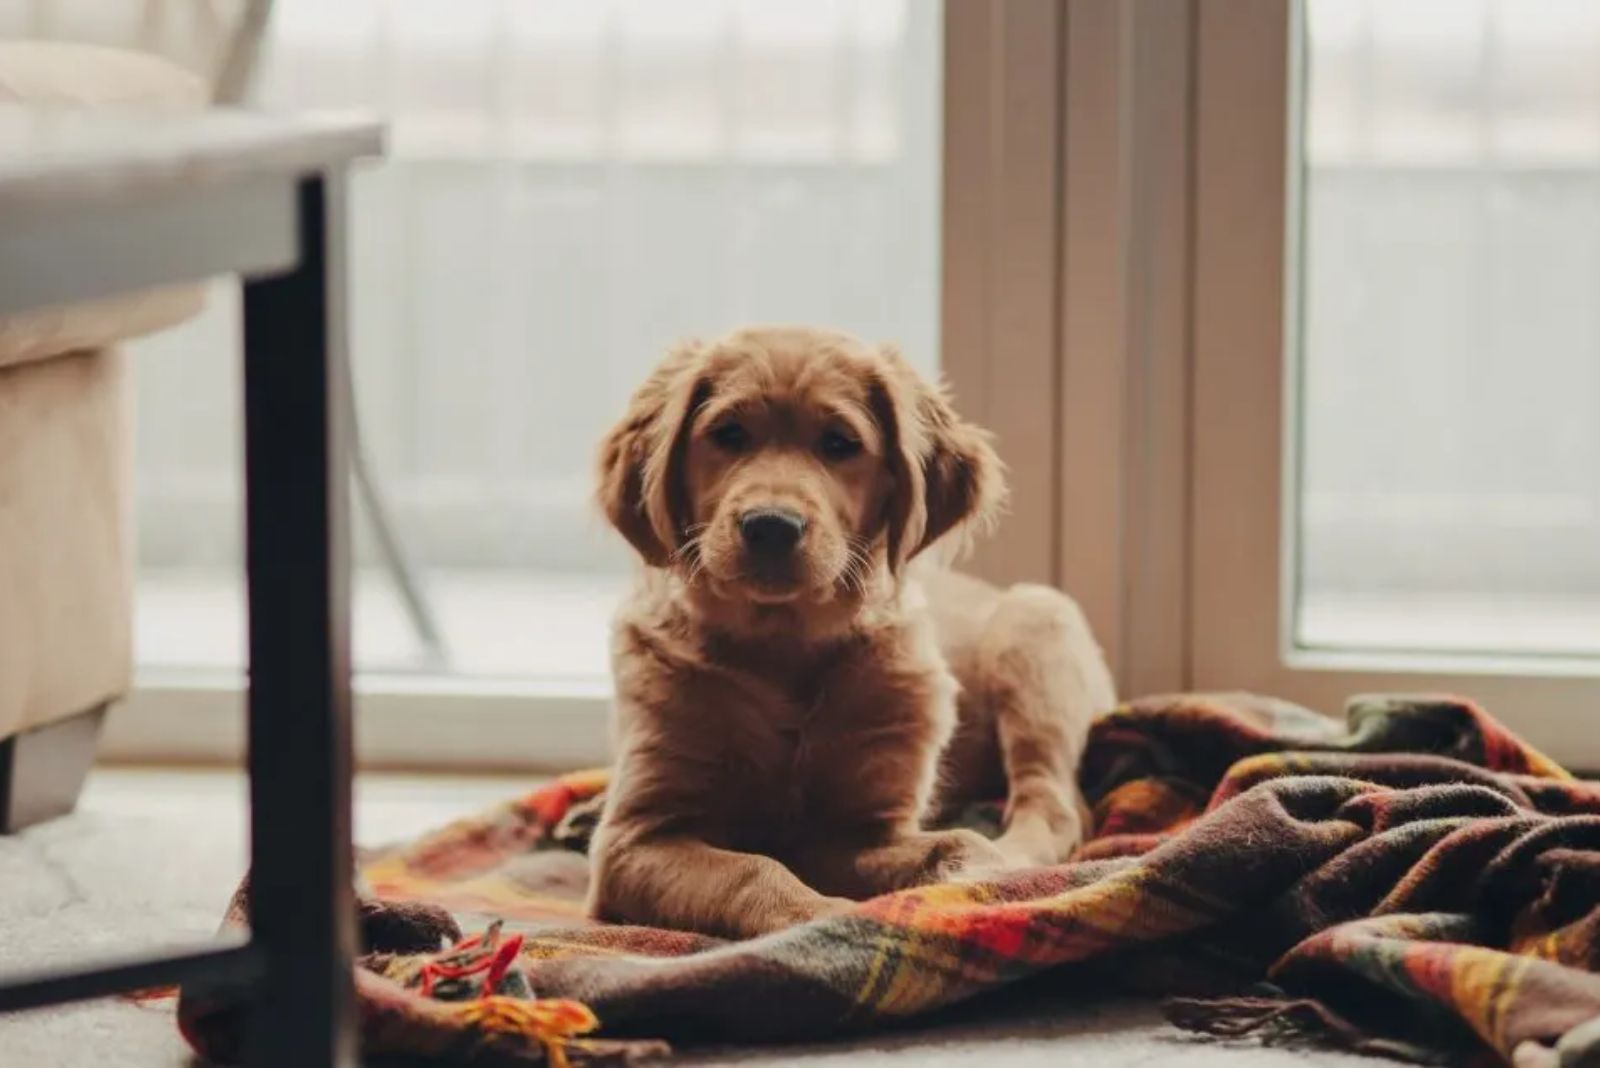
151,856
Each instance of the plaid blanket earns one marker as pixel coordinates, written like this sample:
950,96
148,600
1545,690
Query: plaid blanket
1416,882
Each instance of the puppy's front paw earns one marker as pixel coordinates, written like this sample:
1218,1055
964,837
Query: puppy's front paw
404,927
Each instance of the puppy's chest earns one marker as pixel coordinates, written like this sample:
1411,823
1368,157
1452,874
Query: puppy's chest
807,763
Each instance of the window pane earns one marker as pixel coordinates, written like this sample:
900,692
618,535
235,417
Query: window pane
1450,327
573,186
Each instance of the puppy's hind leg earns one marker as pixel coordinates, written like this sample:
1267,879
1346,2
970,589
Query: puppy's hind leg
1045,678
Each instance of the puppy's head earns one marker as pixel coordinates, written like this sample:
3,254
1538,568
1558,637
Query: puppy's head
792,466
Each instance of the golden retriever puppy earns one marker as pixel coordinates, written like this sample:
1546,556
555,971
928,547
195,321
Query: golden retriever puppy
795,701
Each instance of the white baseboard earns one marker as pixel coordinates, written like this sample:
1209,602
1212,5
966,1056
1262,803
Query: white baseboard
401,722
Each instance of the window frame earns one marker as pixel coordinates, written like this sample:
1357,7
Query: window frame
1066,270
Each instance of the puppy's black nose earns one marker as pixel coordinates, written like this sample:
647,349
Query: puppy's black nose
771,531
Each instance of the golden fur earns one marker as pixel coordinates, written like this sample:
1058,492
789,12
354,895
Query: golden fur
786,720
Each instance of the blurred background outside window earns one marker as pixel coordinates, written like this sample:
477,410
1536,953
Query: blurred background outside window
1449,386
572,186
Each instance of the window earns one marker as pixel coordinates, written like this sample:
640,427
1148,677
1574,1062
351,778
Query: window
572,186
1449,349
1280,311
1396,461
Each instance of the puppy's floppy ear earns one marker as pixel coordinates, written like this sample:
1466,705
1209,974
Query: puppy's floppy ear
945,472
641,488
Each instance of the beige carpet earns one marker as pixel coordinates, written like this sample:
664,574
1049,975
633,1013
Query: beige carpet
151,856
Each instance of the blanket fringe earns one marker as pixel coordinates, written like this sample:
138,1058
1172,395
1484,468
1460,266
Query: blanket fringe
1288,1021
1233,1017
550,1022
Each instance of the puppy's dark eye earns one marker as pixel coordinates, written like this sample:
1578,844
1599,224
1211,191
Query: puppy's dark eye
837,445
730,436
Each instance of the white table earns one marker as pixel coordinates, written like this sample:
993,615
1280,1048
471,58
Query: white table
93,204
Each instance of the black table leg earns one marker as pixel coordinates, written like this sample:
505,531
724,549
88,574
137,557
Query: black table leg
297,548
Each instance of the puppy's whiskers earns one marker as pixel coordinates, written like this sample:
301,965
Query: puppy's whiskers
857,563
689,552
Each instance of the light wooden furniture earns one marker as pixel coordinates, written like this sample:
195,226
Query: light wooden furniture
66,562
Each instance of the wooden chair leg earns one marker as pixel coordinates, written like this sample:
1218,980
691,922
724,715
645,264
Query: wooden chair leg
42,770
